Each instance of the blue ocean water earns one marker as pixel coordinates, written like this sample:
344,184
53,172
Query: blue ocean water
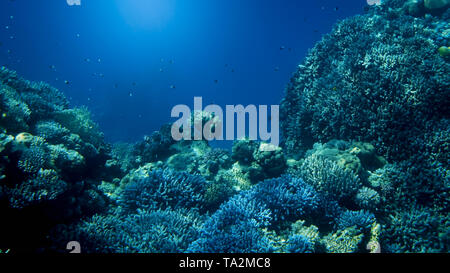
131,61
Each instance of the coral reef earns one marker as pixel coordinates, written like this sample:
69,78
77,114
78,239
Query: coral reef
51,156
364,161
357,85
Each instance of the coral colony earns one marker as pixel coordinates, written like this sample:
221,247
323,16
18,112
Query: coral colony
362,164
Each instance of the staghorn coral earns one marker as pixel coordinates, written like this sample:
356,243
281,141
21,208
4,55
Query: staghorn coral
417,230
329,178
43,186
361,220
237,226
288,198
162,231
299,244
368,198
160,189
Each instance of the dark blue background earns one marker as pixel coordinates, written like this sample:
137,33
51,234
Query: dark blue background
194,42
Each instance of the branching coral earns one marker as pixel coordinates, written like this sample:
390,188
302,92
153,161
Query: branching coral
236,227
164,189
162,231
329,178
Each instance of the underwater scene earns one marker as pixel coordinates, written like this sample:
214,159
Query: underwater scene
171,126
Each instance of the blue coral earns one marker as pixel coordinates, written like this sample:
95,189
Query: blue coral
236,227
362,220
299,244
287,197
164,189
158,231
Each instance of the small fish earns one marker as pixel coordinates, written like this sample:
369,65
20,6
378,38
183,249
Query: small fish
134,83
282,47
161,70
66,82
172,87
277,68
216,81
87,60
116,85
52,67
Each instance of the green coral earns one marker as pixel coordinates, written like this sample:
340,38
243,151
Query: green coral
444,51
343,241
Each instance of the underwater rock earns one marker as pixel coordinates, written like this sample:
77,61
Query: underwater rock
273,161
242,151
